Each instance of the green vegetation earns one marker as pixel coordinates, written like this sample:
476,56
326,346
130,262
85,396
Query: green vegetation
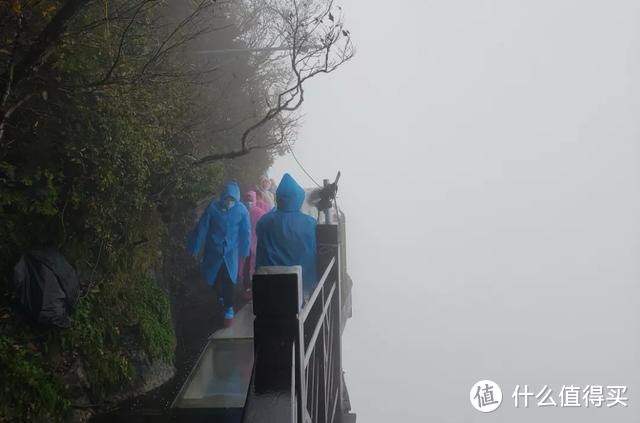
112,128
105,325
82,170
29,389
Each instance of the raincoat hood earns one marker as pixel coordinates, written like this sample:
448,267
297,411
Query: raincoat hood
231,190
250,196
290,195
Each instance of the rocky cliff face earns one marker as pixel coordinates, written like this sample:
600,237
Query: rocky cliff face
149,375
195,315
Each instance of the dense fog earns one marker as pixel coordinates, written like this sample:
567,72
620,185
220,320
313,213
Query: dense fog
490,162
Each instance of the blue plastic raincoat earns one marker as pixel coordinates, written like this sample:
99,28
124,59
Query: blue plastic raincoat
224,233
286,236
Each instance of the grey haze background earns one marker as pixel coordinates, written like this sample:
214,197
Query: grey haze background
490,153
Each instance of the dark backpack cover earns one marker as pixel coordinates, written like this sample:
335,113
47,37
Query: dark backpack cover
46,287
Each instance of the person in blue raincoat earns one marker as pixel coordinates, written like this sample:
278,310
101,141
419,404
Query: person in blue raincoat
287,236
224,230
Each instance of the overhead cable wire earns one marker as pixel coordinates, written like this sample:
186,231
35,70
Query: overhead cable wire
300,164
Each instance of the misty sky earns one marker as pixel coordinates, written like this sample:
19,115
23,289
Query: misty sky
490,153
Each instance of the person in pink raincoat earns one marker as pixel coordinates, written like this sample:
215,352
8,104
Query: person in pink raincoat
264,187
261,203
248,264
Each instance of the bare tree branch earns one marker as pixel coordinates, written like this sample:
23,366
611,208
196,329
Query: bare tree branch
297,26
123,38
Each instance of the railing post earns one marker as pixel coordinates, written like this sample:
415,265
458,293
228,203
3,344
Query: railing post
328,240
277,392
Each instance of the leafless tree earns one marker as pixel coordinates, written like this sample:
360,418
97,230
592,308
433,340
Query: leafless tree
294,41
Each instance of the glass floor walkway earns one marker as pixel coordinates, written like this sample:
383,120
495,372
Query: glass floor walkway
221,377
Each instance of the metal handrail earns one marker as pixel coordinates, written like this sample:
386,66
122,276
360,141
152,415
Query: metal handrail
315,329
314,388
316,292
312,342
